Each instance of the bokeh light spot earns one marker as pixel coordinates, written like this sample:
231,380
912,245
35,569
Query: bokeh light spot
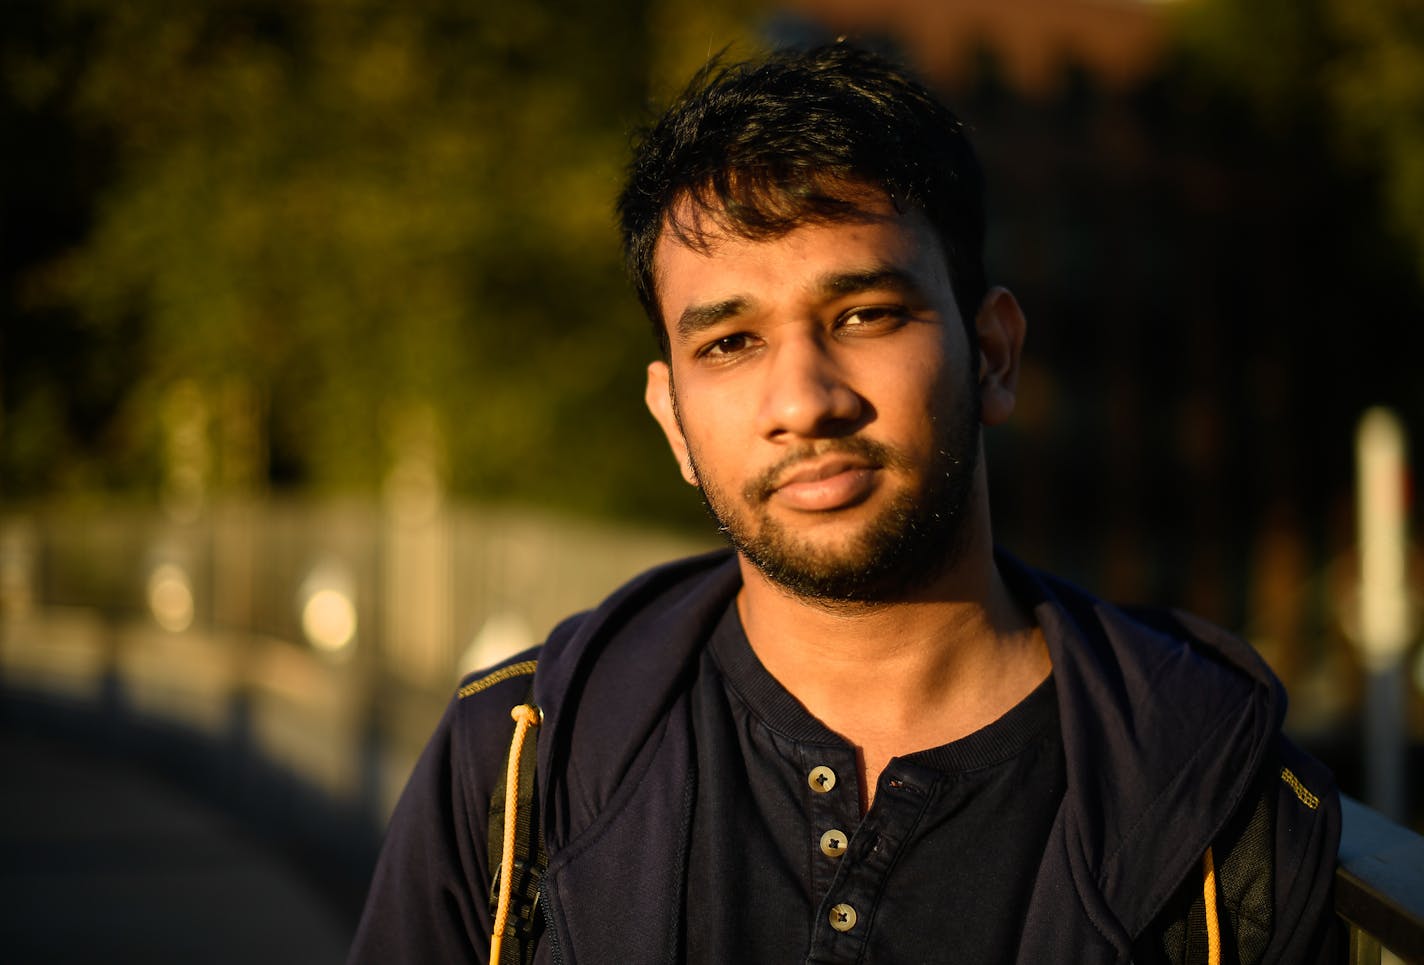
329,620
170,597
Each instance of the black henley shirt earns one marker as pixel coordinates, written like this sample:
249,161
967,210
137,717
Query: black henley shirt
784,869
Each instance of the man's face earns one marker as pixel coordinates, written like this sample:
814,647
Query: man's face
820,391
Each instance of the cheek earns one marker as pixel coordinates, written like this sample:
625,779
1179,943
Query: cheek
925,382
712,411
702,433
931,400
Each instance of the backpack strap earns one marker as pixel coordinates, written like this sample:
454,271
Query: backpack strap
516,855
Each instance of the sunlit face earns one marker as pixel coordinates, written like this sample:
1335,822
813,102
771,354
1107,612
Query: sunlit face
819,389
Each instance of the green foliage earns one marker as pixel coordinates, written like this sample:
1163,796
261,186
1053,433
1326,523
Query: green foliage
342,213
1266,50
1375,85
1348,72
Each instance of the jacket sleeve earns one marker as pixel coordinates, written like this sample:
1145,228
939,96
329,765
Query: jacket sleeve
428,900
1307,853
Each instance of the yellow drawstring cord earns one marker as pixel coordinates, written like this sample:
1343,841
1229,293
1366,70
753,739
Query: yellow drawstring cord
1213,924
525,716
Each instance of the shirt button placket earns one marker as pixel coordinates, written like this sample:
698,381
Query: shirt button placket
834,814
828,813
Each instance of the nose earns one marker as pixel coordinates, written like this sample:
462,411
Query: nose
806,394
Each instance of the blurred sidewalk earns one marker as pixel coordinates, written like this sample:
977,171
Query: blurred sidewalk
102,862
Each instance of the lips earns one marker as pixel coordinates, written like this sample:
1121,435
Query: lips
821,469
830,483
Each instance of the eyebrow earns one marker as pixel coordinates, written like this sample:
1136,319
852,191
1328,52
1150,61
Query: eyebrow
698,318
881,276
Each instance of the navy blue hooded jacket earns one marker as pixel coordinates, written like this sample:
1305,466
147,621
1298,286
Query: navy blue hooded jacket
1171,733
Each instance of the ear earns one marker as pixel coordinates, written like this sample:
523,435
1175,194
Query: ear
658,396
1001,327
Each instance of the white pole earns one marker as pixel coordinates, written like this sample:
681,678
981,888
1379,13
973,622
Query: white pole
1384,615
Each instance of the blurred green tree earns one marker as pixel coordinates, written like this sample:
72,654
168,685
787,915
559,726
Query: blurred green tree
325,235
1348,72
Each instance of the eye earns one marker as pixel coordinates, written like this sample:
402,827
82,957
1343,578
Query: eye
874,317
726,346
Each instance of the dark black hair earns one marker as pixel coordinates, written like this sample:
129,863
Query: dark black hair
761,147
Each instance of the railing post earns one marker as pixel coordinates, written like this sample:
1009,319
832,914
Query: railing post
1364,950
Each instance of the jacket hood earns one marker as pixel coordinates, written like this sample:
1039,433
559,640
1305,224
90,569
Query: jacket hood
1166,720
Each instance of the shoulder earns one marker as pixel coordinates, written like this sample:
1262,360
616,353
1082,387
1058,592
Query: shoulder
427,897
647,628
631,619
518,667
1278,853
1146,631
477,722
1170,678
1272,872
487,695
1307,840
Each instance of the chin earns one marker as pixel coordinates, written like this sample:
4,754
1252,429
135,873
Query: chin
885,560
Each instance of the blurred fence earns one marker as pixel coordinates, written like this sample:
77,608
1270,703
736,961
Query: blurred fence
321,641
325,636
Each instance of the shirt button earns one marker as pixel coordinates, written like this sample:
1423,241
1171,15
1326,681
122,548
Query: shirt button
821,779
833,843
842,917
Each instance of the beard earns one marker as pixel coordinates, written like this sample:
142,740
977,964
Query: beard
909,542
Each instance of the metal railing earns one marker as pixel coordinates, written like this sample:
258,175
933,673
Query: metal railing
1379,887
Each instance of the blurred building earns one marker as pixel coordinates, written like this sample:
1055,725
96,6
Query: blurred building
1212,304
1119,41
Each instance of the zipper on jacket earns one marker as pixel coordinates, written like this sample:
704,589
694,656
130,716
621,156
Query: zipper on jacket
550,932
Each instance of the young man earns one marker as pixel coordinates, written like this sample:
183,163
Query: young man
861,735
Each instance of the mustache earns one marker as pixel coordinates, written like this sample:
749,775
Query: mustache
761,487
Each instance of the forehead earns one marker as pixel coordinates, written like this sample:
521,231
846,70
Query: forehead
698,257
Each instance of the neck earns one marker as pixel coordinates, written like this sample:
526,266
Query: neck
899,677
